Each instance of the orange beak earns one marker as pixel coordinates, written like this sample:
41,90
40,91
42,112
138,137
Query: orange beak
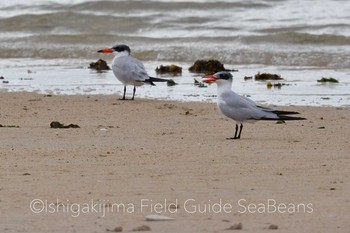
210,79
105,50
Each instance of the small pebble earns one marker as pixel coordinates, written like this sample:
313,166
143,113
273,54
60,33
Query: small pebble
237,226
174,207
280,122
116,229
142,228
273,227
157,217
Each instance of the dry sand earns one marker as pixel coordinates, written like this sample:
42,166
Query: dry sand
136,153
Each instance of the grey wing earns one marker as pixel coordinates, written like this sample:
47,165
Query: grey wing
129,70
260,111
242,109
139,70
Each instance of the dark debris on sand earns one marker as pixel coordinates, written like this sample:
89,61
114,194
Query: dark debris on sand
142,228
9,126
237,226
273,227
116,229
58,125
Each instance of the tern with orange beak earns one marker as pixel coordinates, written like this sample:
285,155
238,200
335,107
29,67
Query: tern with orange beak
129,70
240,108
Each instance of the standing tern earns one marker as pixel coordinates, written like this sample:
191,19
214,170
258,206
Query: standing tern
240,108
129,70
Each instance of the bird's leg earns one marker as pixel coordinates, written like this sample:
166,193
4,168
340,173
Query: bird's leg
236,131
133,94
240,131
124,93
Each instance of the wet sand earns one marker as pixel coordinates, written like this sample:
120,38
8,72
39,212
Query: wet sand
130,159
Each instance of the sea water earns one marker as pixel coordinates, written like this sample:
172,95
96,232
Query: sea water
46,46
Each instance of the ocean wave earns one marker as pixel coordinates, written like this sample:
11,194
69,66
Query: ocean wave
71,21
239,32
302,28
122,6
297,38
127,7
70,47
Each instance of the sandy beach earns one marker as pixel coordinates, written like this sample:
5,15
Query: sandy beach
130,159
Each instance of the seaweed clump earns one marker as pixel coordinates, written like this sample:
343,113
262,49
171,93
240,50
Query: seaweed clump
329,80
170,69
171,83
58,125
9,126
267,76
4,81
277,85
207,66
199,84
99,65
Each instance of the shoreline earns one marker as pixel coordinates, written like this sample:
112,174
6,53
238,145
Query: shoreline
128,151
118,95
300,87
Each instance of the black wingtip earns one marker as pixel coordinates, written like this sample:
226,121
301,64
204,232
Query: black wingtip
284,118
289,118
278,112
153,79
148,81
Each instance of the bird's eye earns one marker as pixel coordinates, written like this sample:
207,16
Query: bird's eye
223,76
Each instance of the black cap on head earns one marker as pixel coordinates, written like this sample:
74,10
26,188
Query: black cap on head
223,75
121,48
